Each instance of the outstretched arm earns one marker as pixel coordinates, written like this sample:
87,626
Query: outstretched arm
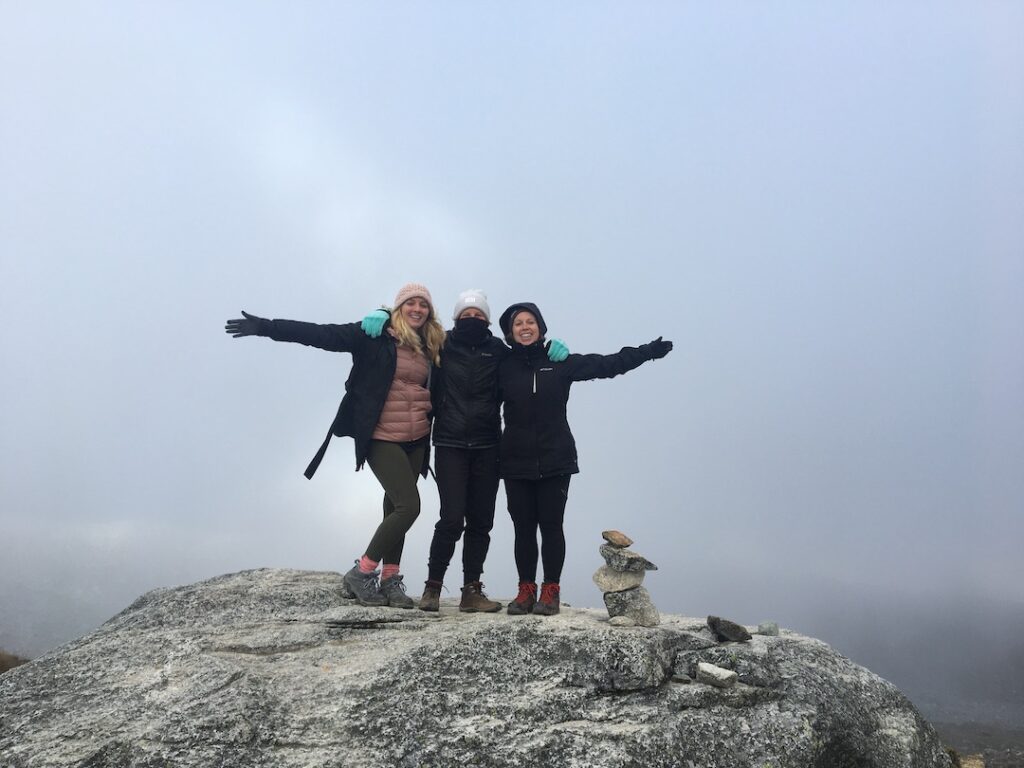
247,325
333,338
584,367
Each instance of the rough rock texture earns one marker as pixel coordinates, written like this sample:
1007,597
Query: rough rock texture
609,580
714,675
273,668
728,631
635,603
768,628
616,538
619,559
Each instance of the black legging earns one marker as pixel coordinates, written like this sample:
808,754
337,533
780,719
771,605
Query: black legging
467,482
539,504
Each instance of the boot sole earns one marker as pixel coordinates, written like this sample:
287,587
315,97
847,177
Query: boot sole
481,610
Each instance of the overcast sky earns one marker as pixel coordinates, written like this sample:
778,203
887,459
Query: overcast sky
822,205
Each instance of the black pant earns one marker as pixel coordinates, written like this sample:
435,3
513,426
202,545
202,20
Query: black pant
467,482
539,504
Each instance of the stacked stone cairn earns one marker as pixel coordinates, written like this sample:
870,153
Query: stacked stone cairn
620,579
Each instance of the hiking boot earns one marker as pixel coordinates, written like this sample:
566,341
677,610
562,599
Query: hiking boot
364,586
394,590
525,600
431,598
549,603
346,590
474,599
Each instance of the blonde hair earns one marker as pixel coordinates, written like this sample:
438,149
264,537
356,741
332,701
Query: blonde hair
430,335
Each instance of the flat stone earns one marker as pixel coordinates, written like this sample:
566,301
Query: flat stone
714,675
635,603
769,628
726,630
616,538
620,559
610,580
621,621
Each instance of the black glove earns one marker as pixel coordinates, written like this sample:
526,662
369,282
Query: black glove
249,326
658,348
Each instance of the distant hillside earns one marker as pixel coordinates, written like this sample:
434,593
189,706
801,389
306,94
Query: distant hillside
9,661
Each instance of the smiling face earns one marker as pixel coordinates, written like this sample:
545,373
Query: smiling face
525,330
415,312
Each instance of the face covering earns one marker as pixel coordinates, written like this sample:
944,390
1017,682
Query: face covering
470,330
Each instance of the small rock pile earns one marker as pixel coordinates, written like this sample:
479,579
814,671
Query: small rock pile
628,603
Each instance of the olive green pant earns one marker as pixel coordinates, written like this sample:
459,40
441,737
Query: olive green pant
397,467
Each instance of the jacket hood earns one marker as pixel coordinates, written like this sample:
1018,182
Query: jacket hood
505,322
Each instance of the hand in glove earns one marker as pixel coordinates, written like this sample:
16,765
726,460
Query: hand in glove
373,323
247,326
557,351
659,348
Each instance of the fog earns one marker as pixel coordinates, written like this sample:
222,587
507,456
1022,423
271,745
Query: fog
821,206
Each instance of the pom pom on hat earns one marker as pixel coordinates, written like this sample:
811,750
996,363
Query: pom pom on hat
409,290
474,297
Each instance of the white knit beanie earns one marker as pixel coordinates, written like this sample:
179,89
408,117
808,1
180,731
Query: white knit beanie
474,297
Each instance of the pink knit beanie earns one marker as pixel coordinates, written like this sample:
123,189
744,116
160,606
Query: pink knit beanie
409,290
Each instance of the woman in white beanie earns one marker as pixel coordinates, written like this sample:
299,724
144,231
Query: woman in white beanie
387,410
467,431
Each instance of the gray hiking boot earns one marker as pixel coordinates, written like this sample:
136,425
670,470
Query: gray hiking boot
431,598
393,590
364,586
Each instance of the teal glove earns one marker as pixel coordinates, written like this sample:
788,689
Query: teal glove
373,323
557,351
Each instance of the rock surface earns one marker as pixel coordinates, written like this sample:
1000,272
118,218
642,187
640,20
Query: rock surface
768,628
619,559
712,674
616,538
728,631
608,580
274,668
635,603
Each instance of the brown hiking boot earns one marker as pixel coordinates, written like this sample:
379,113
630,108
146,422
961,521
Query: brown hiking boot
431,598
474,600
525,600
549,603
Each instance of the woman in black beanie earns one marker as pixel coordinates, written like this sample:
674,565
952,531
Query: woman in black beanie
537,451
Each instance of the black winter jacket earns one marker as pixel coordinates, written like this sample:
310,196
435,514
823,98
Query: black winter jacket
465,397
534,391
373,369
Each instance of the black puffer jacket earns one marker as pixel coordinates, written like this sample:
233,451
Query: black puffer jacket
465,396
534,391
373,369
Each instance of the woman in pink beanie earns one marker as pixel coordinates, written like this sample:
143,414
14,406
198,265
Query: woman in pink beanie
386,409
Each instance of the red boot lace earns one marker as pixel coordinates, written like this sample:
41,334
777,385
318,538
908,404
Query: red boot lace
527,593
549,593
